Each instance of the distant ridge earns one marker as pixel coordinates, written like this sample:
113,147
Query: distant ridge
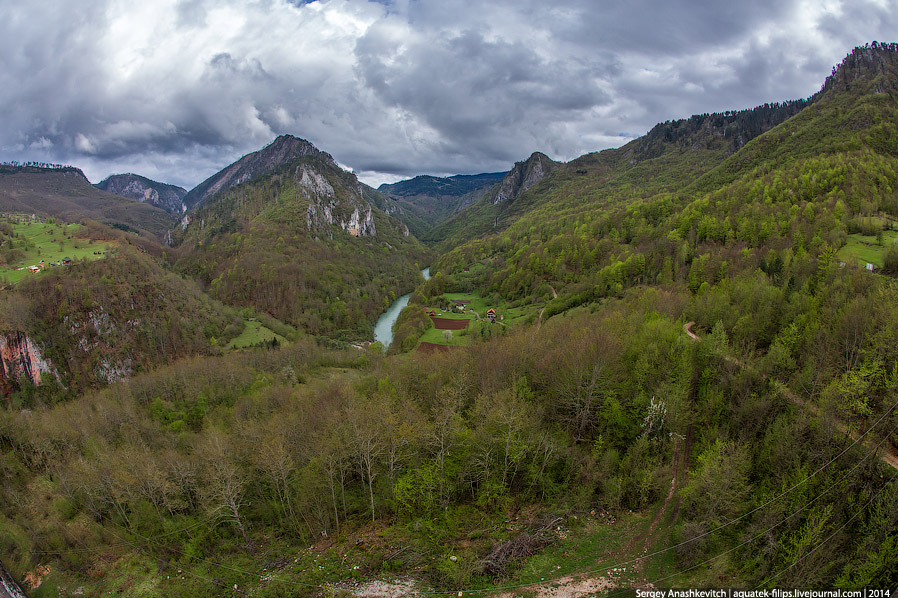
64,192
435,186
426,201
139,188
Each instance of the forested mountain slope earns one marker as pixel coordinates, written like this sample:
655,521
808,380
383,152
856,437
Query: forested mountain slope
677,204
96,322
425,201
305,244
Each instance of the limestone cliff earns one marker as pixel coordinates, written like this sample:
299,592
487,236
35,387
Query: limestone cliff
523,176
350,211
20,359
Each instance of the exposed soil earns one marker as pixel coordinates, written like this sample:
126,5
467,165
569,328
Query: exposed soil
448,324
382,589
567,587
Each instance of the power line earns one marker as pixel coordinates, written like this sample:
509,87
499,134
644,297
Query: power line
830,537
698,537
118,544
783,520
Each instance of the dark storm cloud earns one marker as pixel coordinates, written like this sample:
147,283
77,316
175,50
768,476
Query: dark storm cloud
476,94
177,89
667,28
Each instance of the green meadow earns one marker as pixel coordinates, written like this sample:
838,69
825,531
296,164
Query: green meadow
255,334
24,243
863,249
475,311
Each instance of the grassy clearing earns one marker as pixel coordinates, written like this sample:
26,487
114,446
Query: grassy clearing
589,546
254,333
475,311
864,249
32,242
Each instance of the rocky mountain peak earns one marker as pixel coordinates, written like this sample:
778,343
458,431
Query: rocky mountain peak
287,148
282,150
523,176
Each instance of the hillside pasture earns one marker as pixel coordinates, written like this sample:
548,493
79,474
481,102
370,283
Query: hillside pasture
33,241
861,249
466,320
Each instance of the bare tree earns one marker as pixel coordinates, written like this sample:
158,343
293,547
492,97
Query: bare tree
224,482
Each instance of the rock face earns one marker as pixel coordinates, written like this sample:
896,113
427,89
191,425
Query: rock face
285,148
168,197
19,359
523,176
360,225
351,212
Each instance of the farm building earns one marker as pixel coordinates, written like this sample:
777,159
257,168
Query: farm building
491,314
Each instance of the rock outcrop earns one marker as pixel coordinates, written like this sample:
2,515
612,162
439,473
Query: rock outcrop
523,176
8,586
20,360
871,67
351,212
360,225
168,197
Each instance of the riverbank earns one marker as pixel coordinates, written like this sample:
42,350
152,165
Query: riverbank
383,330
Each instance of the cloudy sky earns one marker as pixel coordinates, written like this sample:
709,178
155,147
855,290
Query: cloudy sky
177,89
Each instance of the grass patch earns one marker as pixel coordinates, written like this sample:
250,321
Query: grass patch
458,338
861,249
255,334
593,547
